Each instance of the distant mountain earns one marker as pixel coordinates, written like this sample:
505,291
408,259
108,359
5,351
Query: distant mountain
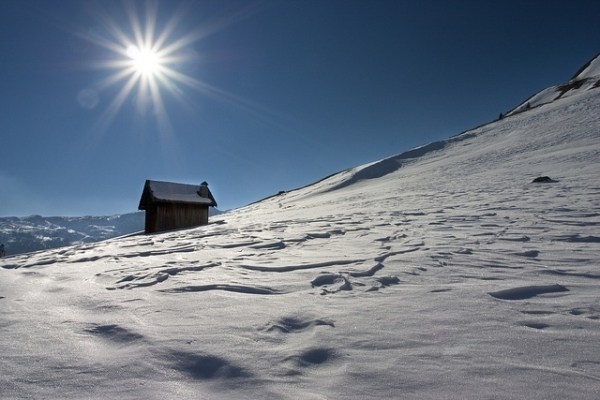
34,233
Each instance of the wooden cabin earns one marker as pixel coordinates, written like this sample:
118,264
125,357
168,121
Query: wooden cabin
171,206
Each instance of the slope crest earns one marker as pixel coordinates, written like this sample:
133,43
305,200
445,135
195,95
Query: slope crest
586,78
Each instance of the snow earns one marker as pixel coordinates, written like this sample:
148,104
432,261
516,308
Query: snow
440,273
177,192
592,70
588,78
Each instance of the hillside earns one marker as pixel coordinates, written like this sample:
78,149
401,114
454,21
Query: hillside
586,78
440,273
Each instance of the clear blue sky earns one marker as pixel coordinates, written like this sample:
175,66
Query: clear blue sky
261,96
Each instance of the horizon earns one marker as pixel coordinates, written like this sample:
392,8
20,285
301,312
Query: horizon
258,98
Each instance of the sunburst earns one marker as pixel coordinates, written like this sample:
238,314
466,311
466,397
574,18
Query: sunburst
138,61
145,61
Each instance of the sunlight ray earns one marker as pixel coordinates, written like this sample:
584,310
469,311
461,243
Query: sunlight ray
122,40
114,78
150,22
136,26
169,28
113,109
165,127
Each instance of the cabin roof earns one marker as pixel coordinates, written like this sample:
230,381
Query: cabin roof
169,192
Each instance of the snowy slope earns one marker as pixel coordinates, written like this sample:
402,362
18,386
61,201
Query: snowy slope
441,273
587,78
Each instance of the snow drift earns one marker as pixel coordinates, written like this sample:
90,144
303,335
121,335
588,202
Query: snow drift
439,273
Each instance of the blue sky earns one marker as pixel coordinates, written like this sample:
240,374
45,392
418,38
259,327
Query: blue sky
263,96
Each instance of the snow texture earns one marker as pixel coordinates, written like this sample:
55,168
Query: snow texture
441,273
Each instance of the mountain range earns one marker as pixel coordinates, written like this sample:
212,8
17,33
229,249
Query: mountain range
34,233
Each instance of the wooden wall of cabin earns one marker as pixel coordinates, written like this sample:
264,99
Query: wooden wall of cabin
150,223
178,216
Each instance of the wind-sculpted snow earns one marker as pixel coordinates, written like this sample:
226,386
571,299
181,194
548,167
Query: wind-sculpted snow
526,292
451,277
387,166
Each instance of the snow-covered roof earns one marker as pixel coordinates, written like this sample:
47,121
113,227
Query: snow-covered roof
170,192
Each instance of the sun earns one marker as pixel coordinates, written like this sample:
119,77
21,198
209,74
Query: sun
146,55
145,61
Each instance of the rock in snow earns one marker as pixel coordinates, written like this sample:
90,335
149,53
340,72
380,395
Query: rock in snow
434,274
543,179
